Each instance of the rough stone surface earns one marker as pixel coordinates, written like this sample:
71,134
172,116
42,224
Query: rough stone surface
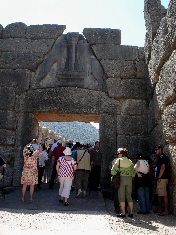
18,60
165,88
25,45
134,144
105,36
142,70
66,100
19,79
119,68
141,53
7,137
160,56
169,123
8,119
44,31
131,125
7,98
15,30
134,107
115,52
126,88
108,126
162,47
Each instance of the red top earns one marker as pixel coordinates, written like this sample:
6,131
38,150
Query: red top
58,152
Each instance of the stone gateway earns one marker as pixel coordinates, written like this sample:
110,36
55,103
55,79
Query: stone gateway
46,75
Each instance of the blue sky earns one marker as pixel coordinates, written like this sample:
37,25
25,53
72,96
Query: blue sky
126,15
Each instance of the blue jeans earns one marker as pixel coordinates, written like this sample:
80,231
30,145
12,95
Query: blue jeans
144,200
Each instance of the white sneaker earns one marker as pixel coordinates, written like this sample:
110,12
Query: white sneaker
79,192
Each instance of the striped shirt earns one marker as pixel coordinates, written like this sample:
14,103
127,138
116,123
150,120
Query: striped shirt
66,167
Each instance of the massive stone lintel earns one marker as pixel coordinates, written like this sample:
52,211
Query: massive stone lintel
102,35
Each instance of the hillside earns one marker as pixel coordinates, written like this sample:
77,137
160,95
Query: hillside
75,131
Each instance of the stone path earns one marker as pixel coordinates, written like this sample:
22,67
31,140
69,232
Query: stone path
90,215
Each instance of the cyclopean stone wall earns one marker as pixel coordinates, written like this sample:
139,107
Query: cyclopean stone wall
46,75
160,54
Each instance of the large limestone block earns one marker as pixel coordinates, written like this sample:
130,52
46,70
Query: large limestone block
7,137
153,15
132,125
7,98
134,144
17,60
134,107
163,46
115,52
1,30
110,106
45,31
18,79
141,53
142,70
26,45
126,88
102,36
119,68
169,123
66,100
165,88
8,120
107,144
15,30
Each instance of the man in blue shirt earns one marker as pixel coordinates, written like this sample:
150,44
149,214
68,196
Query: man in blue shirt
162,179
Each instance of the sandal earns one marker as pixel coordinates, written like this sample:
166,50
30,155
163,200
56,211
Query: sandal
66,203
31,200
23,200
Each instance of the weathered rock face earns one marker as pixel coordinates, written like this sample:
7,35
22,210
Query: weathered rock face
160,55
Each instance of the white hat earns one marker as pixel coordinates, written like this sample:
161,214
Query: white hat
67,151
56,138
119,150
59,141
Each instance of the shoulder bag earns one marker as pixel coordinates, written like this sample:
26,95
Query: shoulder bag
116,178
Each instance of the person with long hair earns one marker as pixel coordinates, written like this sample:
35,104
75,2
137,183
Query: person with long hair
30,170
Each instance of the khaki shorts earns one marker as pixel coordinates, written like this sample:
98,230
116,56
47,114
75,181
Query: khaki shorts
162,187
